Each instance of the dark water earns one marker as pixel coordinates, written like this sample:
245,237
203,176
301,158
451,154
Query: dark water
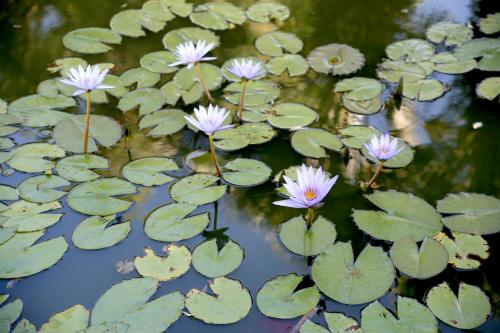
450,155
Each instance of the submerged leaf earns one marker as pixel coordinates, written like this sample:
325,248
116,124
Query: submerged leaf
100,232
213,262
167,268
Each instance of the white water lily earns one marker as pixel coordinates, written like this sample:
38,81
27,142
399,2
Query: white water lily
86,80
209,120
189,53
247,69
383,148
309,190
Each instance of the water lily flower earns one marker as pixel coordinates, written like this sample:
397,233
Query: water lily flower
382,149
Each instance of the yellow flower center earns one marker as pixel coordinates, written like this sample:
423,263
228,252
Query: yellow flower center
310,194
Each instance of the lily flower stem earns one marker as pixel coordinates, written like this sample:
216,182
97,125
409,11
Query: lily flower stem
310,216
87,125
242,99
212,154
197,69
377,173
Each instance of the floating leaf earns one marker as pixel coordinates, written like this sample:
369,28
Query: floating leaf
231,302
6,143
395,71
31,157
296,237
172,93
490,24
27,216
336,59
257,93
77,168
399,161
367,107
159,62
404,215
265,12
356,136
208,260
450,33
103,130
149,171
410,50
359,88
63,65
72,320
164,10
218,15
20,258
170,223
246,172
39,111
9,313
163,122
312,142
413,317
24,326
147,100
5,121
97,196
489,88
423,90
131,22
470,309
167,268
464,250
186,78
43,188
127,303
471,213
100,232
291,116
91,40
3,106
447,63
142,77
488,49
290,172
420,263
276,43
337,323
197,190
236,138
7,193
294,64
179,36
225,69
353,282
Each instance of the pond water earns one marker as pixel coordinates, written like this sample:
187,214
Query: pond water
450,156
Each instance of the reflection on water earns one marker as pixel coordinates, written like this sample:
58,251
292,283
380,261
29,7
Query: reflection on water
450,155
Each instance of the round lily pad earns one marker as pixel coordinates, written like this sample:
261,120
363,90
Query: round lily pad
179,36
213,262
218,15
34,157
465,251
423,90
404,215
294,64
225,69
97,196
336,59
420,263
147,100
149,171
131,22
337,323
307,242
91,40
176,263
359,88
172,93
395,71
27,216
291,115
166,9
447,63
490,24
278,298
40,111
186,78
257,93
313,142
276,43
78,168
141,77
236,138
410,50
399,161
100,232
489,88
43,188
7,193
366,107
353,282
170,223
265,12
197,189
6,120
488,49
468,310
159,62
163,122
450,33
246,172
73,319
231,302
356,136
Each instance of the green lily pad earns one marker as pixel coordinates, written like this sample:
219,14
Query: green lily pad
159,62
43,188
471,213
307,242
164,10
3,106
173,93
265,12
447,63
7,193
179,36
336,59
278,297
231,303
257,93
211,262
294,64
97,196
91,40
353,282
9,313
470,309
197,189
142,77
488,49
103,131
395,71
170,223
147,100
24,326
63,65
337,323
412,317
450,33
420,263
276,43
423,90
246,172
39,111
359,88
399,161
291,116
72,320
127,303
78,168
489,88
218,15
404,215
100,232
230,62
20,258
6,143
131,22
163,122
6,120
236,138
313,142
464,250
27,216
366,107
356,136
149,171
490,24
167,268
410,50
290,172
6,233
186,78
34,157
